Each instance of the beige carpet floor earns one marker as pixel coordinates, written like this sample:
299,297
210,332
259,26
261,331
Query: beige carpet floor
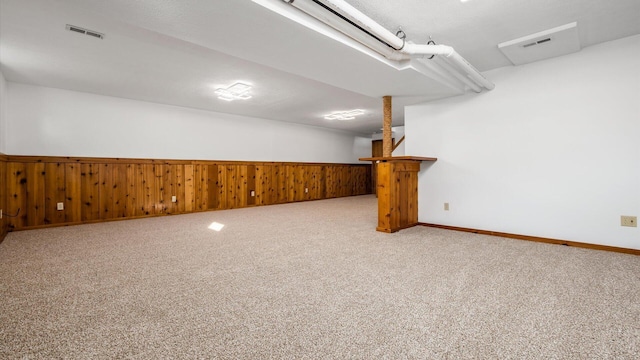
309,280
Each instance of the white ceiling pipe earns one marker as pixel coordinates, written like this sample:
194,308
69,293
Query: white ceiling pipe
448,68
453,57
355,15
435,71
381,51
406,50
473,73
320,13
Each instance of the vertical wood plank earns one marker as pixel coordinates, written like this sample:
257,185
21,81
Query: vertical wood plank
90,192
212,187
131,192
251,185
158,188
289,175
322,192
222,187
197,201
180,189
118,195
362,179
339,181
268,186
200,174
230,185
54,189
106,191
412,198
149,179
188,188
318,182
346,181
35,194
403,197
396,208
384,183
302,183
330,181
169,188
73,206
140,191
261,192
242,187
280,183
17,194
311,182
3,195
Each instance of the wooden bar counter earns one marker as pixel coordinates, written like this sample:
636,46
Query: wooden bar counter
397,191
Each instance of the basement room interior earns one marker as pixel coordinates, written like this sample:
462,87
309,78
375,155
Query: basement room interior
319,179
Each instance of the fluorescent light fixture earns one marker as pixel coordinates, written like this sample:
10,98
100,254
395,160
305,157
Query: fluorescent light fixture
344,115
216,226
237,91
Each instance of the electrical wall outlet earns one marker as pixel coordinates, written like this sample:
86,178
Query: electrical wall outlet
446,206
253,193
306,190
631,221
174,199
60,206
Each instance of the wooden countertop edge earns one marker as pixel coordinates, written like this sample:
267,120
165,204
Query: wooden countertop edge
399,158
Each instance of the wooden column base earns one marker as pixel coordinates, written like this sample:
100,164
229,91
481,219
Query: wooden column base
397,195
397,192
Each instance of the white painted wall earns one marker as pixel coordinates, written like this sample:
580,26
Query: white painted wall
3,112
553,151
46,121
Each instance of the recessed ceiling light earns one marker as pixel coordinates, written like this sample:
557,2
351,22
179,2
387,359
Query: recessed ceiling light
237,91
344,115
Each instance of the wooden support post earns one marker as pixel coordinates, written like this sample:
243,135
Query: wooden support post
387,145
397,181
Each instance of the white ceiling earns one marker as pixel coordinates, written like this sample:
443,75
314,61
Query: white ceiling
179,51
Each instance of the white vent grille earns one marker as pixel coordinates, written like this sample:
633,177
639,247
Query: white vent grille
546,44
84,31
537,42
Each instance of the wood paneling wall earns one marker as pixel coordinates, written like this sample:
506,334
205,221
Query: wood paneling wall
97,189
3,195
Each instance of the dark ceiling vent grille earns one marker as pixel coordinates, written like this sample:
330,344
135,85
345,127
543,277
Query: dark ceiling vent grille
537,42
85,31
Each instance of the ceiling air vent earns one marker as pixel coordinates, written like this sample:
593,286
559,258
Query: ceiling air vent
537,42
558,41
80,30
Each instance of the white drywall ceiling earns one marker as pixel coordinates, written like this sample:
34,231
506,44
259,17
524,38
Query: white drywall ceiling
178,52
